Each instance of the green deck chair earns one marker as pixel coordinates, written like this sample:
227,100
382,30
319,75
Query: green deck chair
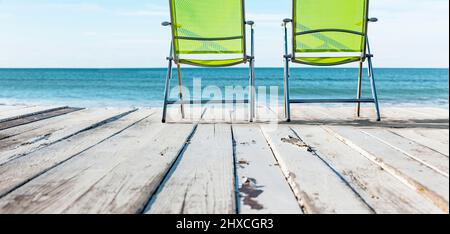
208,28
330,33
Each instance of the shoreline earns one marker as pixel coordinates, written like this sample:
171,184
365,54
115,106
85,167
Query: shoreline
159,104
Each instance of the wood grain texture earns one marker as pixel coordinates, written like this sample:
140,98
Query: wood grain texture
424,155
315,184
20,129
35,117
58,189
426,181
203,181
193,114
262,185
27,142
215,162
18,172
127,188
427,138
382,191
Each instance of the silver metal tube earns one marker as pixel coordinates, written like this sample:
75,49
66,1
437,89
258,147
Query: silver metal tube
202,102
180,86
359,93
287,105
250,91
167,86
167,90
253,99
372,82
298,101
374,90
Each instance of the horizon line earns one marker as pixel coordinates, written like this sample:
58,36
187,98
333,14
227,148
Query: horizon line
190,67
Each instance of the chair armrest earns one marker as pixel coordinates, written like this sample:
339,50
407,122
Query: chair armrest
165,23
286,22
251,23
373,20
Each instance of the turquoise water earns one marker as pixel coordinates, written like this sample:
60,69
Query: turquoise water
145,87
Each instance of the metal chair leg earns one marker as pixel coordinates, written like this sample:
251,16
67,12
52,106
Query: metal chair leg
359,94
252,94
250,91
167,90
287,98
374,89
253,91
180,86
287,104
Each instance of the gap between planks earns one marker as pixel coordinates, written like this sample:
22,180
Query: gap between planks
410,170
385,193
316,194
34,117
72,186
203,181
54,130
262,187
17,172
421,178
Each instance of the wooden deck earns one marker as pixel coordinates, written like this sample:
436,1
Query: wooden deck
71,160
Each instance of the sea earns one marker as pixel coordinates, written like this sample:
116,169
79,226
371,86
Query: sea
145,87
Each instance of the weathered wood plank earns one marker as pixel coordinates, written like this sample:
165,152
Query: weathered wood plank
262,185
216,113
27,142
424,133
424,155
426,181
17,111
269,114
17,172
127,188
382,191
34,117
390,119
58,189
441,135
317,186
17,130
426,138
203,181
193,114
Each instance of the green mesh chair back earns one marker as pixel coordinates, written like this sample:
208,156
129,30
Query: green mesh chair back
208,27
329,26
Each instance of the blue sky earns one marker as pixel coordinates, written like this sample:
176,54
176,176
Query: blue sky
127,33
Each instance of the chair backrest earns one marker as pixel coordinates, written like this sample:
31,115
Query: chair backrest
208,26
330,25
